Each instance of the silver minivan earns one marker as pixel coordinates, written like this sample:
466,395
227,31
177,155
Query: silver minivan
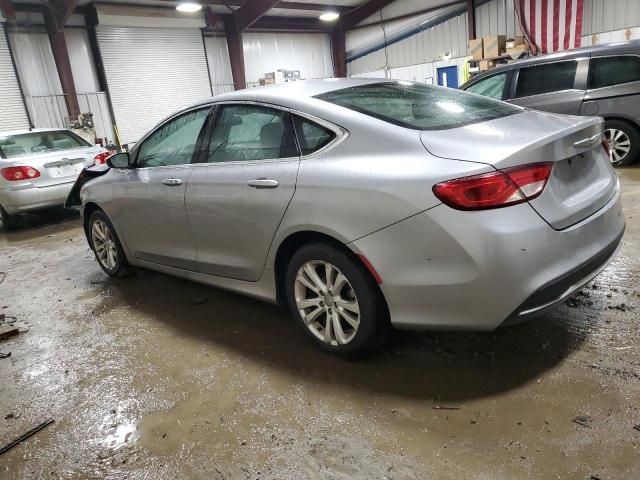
602,80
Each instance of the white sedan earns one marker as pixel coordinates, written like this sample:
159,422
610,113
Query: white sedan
38,168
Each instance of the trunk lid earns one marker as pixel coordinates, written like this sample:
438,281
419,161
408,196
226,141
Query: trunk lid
582,179
56,167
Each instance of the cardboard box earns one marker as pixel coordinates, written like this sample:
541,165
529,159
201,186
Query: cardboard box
486,65
475,49
518,51
494,46
514,42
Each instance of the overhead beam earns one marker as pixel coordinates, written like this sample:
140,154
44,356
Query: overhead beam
410,15
289,24
248,14
358,14
315,7
471,19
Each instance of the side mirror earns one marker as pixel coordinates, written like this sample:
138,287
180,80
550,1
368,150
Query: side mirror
119,160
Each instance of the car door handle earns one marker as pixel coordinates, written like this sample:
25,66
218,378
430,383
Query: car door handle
263,183
172,182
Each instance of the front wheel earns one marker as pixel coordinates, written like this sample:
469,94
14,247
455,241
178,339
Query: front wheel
335,300
106,245
624,142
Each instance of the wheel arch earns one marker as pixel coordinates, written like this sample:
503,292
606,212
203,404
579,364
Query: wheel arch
296,240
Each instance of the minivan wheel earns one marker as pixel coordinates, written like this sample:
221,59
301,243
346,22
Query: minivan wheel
624,142
106,245
335,300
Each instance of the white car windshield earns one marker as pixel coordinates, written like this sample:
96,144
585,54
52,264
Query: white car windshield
418,106
23,144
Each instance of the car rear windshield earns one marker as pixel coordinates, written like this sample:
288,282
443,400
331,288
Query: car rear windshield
417,106
23,144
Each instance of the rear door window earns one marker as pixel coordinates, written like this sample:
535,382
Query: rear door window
251,132
546,78
492,86
608,71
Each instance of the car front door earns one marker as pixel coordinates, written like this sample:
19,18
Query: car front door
557,87
239,193
151,215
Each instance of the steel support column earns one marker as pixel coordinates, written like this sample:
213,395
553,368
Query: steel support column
339,51
236,52
471,19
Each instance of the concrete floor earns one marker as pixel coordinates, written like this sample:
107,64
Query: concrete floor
146,381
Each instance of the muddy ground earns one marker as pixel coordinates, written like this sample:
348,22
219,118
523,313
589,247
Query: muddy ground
154,377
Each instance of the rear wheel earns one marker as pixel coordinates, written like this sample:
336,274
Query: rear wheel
106,245
624,142
6,220
335,300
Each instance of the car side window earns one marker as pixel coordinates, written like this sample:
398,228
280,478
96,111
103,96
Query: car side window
492,86
608,71
546,78
174,142
311,136
251,132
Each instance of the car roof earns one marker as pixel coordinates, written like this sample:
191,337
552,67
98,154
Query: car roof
615,48
292,94
33,130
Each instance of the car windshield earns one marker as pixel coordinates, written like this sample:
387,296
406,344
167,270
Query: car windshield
20,145
417,106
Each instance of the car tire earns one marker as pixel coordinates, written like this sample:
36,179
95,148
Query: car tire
626,142
106,245
351,299
6,221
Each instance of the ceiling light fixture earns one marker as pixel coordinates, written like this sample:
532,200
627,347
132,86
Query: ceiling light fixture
189,7
329,16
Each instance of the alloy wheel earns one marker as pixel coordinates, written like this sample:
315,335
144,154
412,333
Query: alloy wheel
327,303
619,144
104,245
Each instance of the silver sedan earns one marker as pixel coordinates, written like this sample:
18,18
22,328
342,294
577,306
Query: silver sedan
364,204
38,168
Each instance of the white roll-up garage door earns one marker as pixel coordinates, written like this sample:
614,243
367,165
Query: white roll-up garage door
13,115
151,72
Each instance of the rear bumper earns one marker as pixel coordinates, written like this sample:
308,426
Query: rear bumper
448,269
22,199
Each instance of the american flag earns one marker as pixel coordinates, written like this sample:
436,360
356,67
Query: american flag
550,25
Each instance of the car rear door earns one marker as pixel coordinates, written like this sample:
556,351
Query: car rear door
239,193
557,86
149,210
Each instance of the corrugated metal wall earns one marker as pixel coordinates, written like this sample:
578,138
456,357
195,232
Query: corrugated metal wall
607,15
497,17
424,47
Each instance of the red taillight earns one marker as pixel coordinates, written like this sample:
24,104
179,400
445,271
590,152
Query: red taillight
16,174
496,189
102,157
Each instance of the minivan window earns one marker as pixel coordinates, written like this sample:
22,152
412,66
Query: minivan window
19,145
418,106
546,78
607,71
492,86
